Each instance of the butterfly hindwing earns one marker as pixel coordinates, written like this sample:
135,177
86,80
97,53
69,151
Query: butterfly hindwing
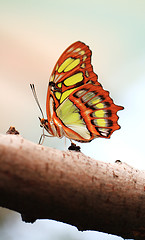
90,112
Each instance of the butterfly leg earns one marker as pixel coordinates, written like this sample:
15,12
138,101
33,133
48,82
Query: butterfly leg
74,147
41,140
43,135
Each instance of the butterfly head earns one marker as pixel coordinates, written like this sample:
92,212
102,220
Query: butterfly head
44,123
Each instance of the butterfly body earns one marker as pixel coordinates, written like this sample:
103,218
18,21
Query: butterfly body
77,106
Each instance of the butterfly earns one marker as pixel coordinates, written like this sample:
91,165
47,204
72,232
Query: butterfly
77,106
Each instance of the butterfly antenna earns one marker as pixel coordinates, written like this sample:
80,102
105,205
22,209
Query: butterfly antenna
36,98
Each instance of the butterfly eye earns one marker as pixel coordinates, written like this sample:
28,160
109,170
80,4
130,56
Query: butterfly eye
43,122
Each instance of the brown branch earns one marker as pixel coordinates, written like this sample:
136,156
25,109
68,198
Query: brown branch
45,183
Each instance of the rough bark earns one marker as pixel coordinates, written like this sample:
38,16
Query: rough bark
44,183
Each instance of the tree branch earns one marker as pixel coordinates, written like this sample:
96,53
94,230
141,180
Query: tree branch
44,183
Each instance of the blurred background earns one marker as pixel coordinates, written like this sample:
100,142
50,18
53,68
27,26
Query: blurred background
33,34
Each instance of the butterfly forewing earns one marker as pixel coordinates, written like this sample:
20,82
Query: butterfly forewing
77,105
73,69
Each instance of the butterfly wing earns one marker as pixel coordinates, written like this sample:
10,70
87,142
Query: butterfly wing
77,106
88,113
72,69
